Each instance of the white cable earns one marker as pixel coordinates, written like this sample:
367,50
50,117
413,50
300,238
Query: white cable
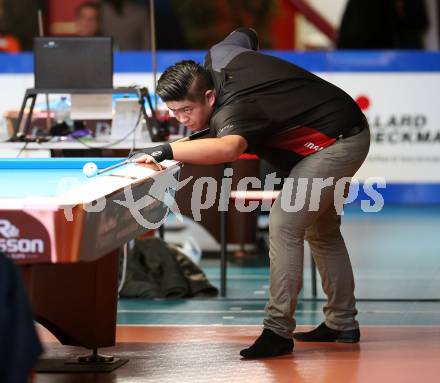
124,267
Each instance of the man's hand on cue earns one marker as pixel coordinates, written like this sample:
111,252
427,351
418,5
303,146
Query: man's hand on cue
153,155
148,161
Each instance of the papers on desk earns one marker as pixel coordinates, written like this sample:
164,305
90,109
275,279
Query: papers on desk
91,107
126,117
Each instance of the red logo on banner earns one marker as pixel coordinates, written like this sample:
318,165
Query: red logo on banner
363,102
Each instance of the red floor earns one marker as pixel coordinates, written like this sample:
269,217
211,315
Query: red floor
210,354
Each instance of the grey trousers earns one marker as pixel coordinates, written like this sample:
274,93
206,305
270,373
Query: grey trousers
308,208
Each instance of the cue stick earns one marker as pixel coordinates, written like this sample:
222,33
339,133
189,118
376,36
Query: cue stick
153,53
193,136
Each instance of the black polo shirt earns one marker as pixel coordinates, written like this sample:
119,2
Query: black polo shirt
283,111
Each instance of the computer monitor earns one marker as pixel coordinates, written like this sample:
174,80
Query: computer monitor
73,62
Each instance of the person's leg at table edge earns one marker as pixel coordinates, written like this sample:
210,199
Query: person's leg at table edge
319,224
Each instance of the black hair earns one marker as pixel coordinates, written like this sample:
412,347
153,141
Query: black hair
184,80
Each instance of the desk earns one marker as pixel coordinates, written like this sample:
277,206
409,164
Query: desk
32,93
64,230
60,145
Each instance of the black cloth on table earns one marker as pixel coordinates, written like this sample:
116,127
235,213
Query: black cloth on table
158,270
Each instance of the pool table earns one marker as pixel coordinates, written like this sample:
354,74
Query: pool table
65,231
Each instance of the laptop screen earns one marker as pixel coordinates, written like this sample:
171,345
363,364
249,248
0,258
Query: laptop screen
73,62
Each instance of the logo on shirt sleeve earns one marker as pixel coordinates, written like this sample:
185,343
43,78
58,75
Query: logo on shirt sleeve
226,127
312,146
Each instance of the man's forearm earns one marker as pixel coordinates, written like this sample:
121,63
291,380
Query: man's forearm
208,151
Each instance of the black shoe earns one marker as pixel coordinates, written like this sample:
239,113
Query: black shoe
325,334
267,345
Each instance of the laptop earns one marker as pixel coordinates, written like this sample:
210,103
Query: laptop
73,63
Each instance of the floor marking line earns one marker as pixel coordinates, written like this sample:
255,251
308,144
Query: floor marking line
259,325
162,311
367,277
